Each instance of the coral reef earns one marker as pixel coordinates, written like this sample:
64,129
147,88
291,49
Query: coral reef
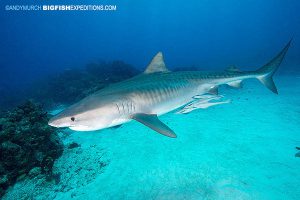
26,142
75,84
111,71
73,145
75,169
68,86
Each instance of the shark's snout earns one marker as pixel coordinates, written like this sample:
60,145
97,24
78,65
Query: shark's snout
57,122
52,122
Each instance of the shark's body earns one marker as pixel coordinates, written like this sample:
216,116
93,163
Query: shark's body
156,92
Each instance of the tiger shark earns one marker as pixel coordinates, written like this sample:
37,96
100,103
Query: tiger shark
158,91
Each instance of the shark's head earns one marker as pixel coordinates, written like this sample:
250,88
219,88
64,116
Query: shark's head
86,117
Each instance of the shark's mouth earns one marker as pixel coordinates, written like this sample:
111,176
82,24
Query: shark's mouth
81,128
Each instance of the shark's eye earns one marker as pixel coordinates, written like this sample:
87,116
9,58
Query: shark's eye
73,119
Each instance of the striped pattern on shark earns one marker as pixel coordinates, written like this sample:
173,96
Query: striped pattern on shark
155,92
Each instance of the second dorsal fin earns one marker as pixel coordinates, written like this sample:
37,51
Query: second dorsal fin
157,64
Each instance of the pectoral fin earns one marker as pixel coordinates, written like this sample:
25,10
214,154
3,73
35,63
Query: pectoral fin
154,123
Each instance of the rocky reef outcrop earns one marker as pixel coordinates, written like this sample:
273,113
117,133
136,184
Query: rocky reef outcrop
74,84
74,171
68,86
26,142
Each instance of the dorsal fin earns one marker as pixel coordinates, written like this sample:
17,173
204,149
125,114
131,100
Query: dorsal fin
232,68
157,64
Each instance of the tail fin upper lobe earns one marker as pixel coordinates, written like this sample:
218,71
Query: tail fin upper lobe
265,73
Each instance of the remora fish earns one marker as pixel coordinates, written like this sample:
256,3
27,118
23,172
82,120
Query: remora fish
156,92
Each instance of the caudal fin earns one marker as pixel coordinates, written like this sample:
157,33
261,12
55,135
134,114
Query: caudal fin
265,73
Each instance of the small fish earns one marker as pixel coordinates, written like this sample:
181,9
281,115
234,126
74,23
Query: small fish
155,92
202,103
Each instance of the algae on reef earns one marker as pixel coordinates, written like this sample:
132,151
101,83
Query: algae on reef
26,141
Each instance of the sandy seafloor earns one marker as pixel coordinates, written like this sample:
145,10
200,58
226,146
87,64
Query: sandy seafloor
242,150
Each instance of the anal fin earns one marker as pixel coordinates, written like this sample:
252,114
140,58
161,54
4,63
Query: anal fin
154,123
213,90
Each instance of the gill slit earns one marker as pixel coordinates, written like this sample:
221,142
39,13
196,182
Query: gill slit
118,108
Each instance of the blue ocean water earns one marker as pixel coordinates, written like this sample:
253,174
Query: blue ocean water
209,34
242,150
